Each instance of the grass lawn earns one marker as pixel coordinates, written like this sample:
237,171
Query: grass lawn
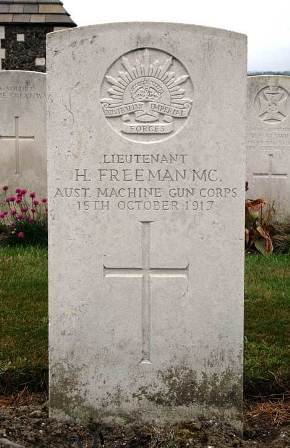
23,311
267,324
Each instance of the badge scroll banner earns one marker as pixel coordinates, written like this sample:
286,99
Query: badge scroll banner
165,109
118,111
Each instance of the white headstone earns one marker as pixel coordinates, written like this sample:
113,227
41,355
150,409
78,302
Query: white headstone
268,153
23,131
146,187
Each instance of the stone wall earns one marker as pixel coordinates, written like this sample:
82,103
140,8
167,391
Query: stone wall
24,47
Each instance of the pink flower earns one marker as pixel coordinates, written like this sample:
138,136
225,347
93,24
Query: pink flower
2,215
20,235
5,188
11,199
23,192
35,202
24,209
33,211
19,217
30,220
44,200
18,200
32,195
18,190
13,212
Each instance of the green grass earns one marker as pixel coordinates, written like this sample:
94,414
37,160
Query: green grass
267,324
23,310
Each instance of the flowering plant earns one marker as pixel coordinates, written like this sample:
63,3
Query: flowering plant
23,217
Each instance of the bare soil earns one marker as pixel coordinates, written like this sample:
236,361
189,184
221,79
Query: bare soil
25,423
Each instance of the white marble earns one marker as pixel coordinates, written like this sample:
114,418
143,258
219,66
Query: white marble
268,141
146,161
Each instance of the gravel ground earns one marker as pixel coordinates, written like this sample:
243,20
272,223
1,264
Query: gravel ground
29,426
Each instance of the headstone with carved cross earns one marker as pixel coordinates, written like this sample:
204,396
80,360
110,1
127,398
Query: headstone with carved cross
146,188
268,140
23,131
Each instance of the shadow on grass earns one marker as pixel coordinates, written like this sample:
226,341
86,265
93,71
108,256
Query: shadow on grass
13,381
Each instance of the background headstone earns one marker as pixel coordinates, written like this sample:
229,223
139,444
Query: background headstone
268,152
23,131
146,187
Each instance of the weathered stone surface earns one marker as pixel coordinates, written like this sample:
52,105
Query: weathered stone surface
23,130
146,187
268,140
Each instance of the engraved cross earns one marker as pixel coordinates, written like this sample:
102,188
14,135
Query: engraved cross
146,273
17,138
270,174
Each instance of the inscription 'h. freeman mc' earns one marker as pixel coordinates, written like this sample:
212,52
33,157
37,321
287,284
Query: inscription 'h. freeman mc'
146,272
147,94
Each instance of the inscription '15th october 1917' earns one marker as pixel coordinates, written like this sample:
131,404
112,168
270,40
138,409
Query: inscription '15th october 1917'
148,182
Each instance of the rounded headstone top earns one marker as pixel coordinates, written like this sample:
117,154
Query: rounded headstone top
269,98
146,80
22,74
119,26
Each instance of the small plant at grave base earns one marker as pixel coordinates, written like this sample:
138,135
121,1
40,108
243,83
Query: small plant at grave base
257,226
280,234
23,218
